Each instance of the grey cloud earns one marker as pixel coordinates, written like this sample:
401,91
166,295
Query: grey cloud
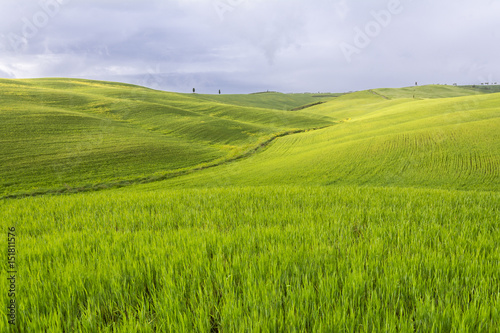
254,45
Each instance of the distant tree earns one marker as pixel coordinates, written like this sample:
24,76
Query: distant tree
194,90
416,83
219,91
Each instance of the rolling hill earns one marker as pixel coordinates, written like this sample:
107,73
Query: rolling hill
429,142
61,133
64,134
370,211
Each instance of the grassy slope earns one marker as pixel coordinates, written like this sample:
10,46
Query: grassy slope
62,132
346,258
71,133
271,100
436,142
305,259
429,91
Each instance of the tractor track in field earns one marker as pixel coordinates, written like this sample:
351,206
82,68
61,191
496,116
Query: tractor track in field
146,180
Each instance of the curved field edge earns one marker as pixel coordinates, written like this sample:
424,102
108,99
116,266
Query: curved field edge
65,133
449,143
150,136
253,258
157,177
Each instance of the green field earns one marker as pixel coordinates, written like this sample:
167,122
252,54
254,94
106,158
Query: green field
58,134
138,210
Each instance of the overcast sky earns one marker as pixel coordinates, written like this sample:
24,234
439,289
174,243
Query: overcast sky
244,46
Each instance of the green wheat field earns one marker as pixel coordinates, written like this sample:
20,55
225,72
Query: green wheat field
138,210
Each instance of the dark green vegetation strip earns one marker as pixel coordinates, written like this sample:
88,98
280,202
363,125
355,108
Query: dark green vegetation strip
150,179
306,106
486,89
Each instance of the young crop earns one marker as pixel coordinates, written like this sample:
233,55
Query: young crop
155,211
264,258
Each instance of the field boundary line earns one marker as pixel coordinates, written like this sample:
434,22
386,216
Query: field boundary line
169,175
379,94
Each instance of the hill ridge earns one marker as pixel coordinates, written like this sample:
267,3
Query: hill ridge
80,134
